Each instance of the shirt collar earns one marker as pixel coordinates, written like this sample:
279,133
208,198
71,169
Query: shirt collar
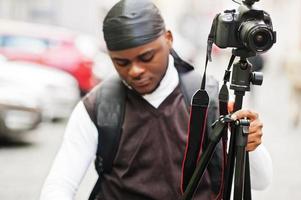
167,85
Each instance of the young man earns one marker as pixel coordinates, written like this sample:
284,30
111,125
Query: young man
148,161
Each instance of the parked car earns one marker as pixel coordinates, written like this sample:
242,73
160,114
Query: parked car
17,114
51,46
55,91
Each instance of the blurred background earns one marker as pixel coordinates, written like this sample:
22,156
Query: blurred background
52,53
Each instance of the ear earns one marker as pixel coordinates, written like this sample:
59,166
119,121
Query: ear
169,38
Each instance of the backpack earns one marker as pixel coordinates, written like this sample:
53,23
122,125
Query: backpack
106,106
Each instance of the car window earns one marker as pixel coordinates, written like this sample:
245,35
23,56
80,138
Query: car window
22,43
1,40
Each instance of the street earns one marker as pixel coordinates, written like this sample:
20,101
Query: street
25,163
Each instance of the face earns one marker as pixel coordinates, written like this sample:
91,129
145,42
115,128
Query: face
144,66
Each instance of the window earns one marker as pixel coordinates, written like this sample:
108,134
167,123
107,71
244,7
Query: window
1,40
27,44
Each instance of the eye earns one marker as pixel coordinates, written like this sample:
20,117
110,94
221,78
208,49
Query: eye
122,62
147,57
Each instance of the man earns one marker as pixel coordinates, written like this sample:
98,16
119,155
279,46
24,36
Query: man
148,162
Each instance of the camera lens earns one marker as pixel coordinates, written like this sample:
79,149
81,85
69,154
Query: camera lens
256,36
260,39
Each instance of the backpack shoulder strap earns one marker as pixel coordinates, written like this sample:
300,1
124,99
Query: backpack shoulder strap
190,82
106,106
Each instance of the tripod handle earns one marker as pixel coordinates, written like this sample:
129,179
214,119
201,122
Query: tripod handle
216,135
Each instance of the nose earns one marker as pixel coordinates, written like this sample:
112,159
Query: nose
136,71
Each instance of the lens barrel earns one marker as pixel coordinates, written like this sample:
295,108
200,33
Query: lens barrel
256,36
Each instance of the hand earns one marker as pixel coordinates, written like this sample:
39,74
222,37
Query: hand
255,129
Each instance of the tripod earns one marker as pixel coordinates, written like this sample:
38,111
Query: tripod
242,76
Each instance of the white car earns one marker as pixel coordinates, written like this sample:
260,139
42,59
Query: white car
55,91
17,114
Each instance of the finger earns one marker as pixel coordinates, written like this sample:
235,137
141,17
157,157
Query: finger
255,126
255,137
240,114
252,146
230,106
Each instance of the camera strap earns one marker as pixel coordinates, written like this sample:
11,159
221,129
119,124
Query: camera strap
197,122
210,40
196,132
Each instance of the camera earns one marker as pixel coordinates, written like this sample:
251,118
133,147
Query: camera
244,28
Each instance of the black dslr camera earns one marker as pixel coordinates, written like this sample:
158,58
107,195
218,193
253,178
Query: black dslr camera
245,28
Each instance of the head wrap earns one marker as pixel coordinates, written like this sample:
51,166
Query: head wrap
131,23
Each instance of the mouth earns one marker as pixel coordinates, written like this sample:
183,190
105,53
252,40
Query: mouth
141,83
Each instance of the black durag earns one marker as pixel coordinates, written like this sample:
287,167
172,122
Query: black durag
131,23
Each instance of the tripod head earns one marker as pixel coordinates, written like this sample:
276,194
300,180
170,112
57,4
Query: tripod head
249,2
242,76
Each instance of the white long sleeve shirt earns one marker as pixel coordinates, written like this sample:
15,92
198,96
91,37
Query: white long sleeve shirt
79,147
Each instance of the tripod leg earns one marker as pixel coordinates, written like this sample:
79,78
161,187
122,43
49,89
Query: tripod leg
241,142
239,173
230,167
247,189
198,173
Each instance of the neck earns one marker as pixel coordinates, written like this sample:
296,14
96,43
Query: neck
168,83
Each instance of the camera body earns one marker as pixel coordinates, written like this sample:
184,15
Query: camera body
245,28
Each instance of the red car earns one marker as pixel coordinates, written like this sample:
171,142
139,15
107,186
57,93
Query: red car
51,46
